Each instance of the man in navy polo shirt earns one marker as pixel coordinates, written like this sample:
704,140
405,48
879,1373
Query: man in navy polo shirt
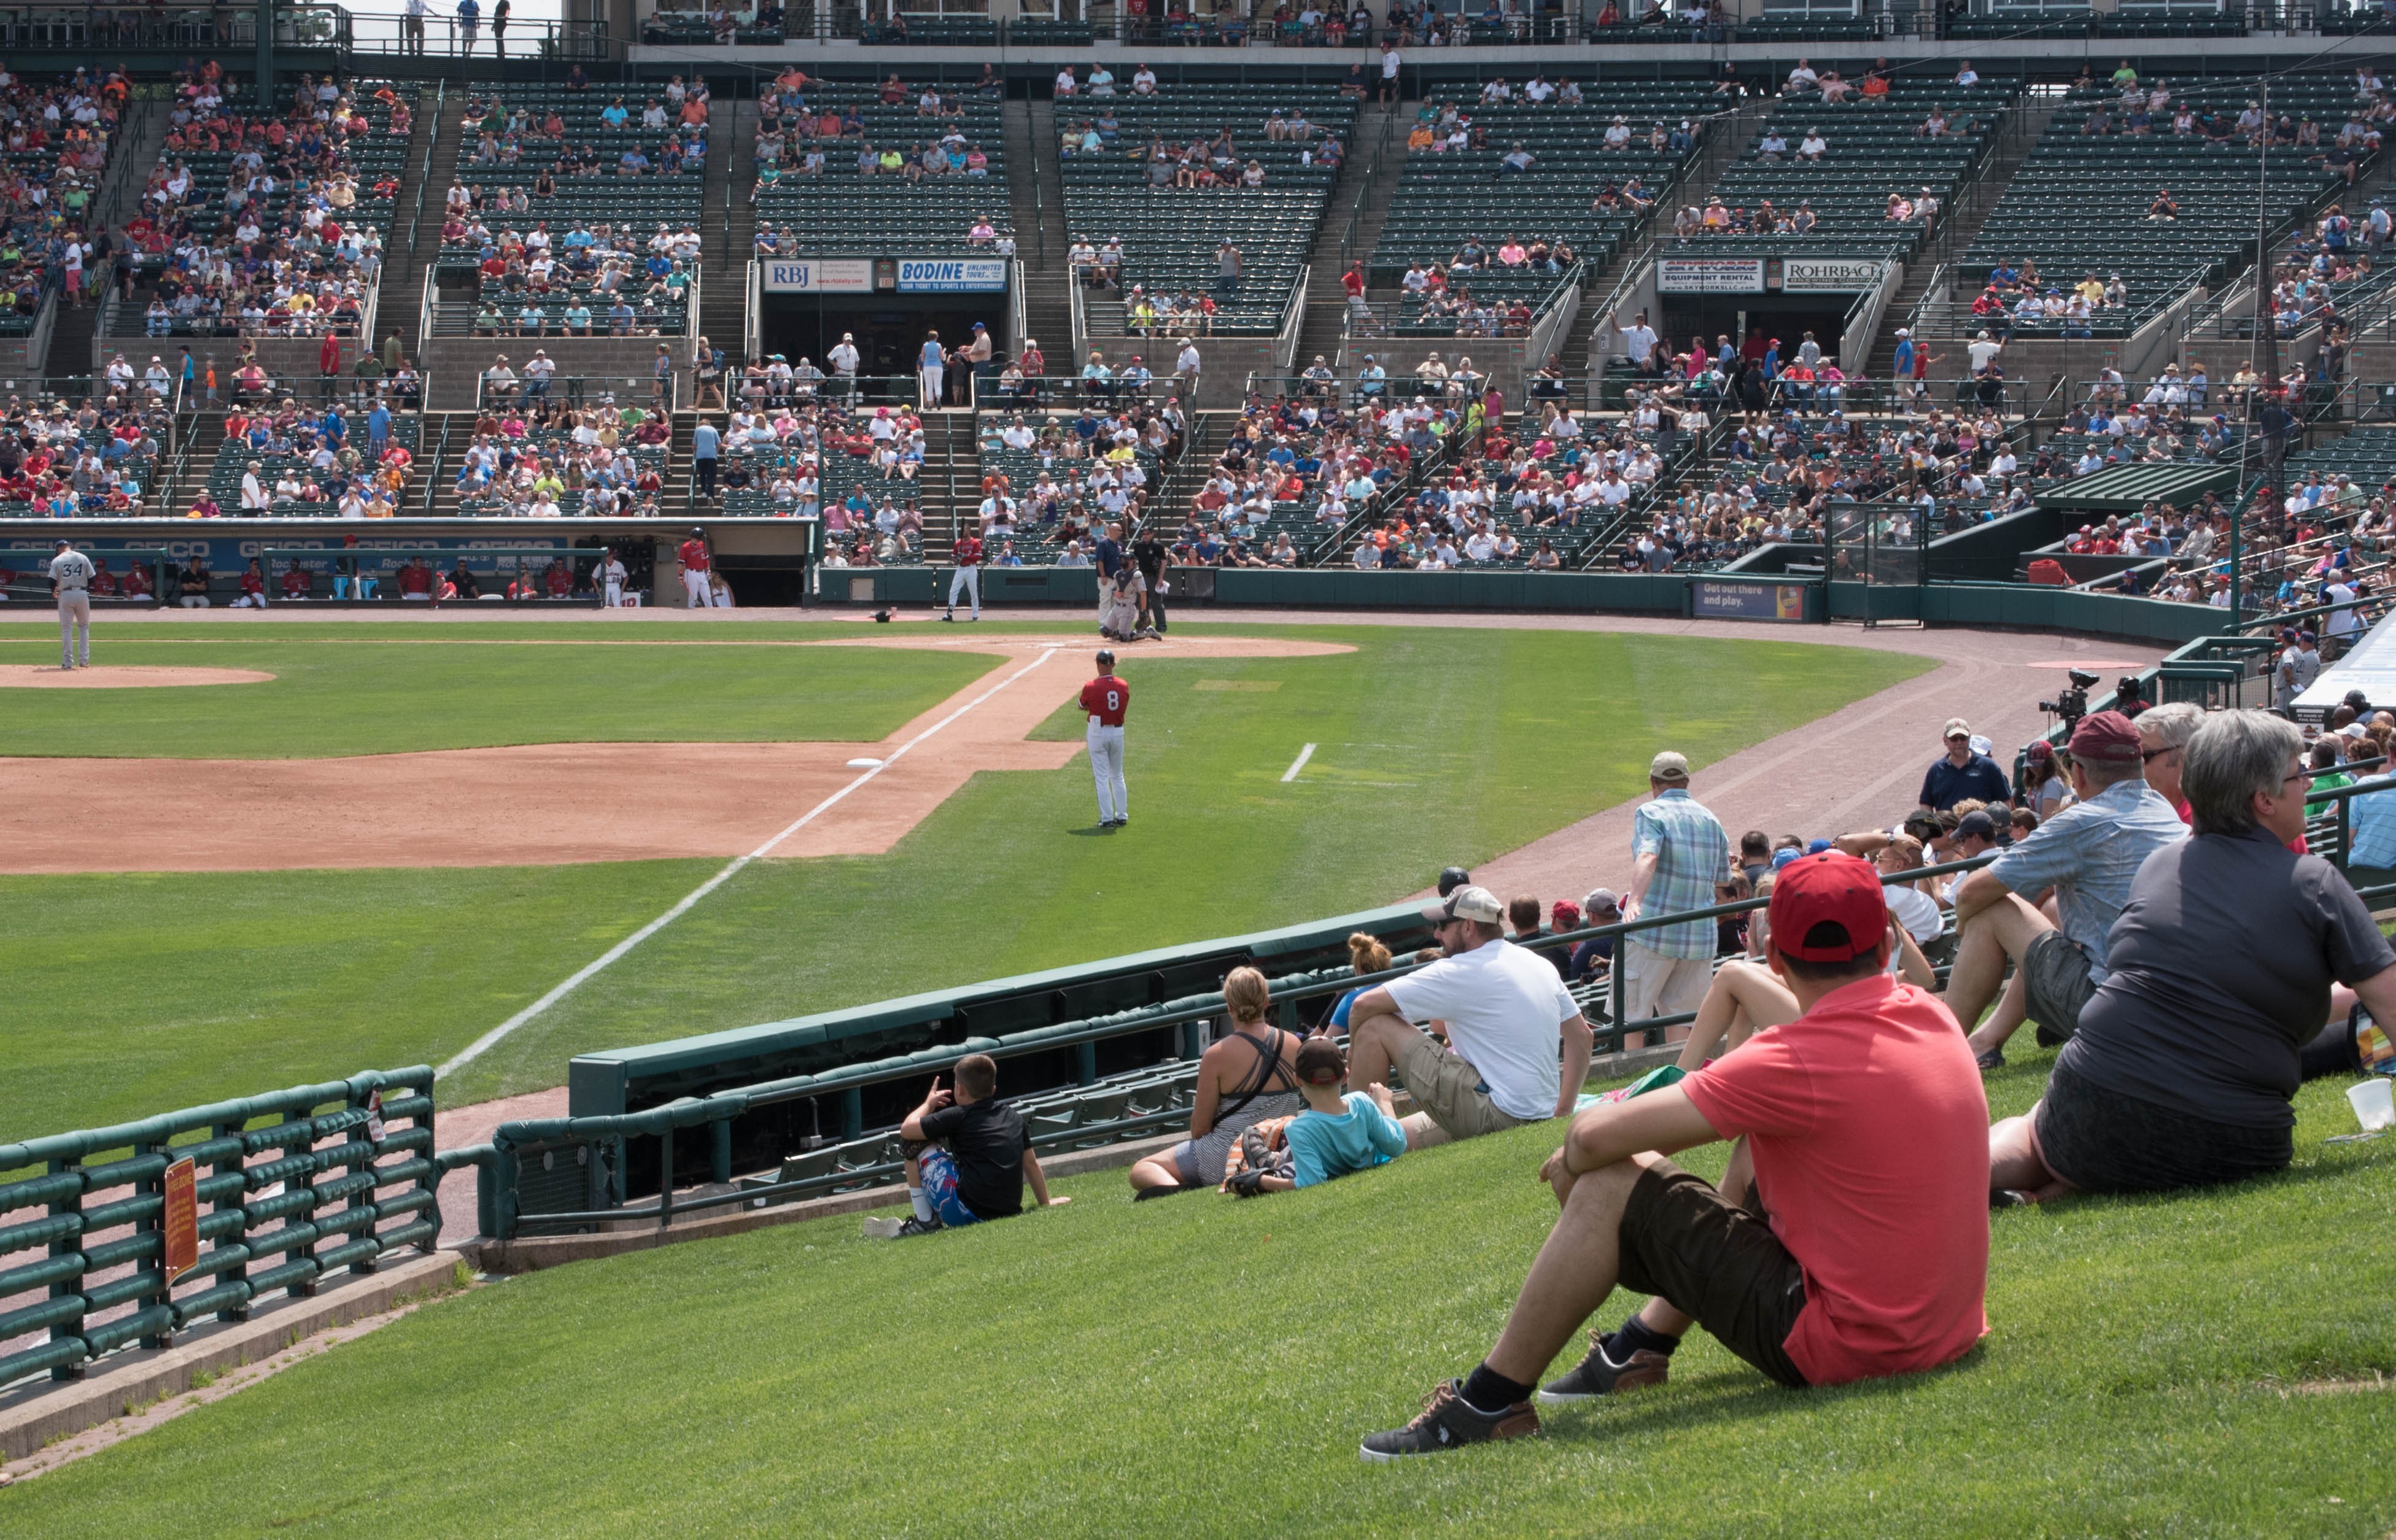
1961,774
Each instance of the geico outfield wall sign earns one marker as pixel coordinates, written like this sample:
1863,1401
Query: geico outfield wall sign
952,274
1709,275
803,275
1832,274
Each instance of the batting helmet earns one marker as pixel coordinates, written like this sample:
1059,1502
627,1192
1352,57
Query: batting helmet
1106,657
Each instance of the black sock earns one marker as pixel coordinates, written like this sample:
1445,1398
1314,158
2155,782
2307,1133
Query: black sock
1487,1390
1636,1334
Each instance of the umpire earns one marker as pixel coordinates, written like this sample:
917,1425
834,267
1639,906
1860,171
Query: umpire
71,580
1148,554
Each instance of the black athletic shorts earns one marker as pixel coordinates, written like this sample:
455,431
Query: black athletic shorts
1716,1261
2103,1141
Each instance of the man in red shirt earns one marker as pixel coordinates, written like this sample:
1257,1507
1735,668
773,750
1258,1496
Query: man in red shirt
1866,1250
698,589
1106,698
967,580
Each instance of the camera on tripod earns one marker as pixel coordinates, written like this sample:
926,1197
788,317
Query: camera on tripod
2072,704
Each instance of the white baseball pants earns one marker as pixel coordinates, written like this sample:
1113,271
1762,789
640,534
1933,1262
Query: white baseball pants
1106,768
966,581
698,593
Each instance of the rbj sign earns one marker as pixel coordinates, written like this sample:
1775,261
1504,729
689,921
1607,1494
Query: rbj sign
804,276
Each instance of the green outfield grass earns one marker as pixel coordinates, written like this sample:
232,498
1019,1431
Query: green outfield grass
136,994
2168,1366
336,691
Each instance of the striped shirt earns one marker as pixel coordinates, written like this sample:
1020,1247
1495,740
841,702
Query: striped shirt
1692,854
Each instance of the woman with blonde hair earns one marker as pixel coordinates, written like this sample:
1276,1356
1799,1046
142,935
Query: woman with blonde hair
1366,954
1248,1075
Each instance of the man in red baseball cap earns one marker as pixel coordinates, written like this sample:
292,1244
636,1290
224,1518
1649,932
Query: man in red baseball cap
2087,852
1863,1250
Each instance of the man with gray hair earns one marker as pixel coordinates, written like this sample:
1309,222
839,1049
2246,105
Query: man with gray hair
2163,732
2220,981
2087,853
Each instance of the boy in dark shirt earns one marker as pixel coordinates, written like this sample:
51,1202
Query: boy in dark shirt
968,1156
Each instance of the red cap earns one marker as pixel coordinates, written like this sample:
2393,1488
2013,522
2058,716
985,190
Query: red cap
2106,738
1830,888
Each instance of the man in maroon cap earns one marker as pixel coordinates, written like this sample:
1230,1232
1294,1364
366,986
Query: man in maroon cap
1865,1251
2087,853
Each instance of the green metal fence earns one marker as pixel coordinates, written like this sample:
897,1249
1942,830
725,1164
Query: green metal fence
577,1172
292,1188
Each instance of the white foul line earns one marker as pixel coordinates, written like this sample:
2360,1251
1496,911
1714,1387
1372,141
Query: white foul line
1297,764
474,1049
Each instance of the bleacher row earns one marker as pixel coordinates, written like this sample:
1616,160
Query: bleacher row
843,211
1173,236
1445,198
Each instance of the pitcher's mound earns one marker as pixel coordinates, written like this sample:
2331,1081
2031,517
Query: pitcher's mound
23,676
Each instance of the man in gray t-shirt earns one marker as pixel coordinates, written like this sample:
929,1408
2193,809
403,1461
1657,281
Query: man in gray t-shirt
2088,854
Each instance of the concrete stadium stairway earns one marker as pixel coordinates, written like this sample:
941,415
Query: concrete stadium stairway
1963,222
404,261
1041,238
1326,303
723,279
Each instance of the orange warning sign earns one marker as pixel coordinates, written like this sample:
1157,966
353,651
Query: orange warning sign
181,1225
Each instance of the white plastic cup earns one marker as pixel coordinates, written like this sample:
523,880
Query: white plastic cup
2374,1103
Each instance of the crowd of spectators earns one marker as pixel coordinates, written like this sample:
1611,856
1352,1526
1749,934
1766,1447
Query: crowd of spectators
290,250
58,459
534,455
55,141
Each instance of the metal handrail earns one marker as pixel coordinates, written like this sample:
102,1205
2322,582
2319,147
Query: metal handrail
716,1112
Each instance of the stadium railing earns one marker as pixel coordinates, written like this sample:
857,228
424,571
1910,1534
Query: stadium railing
300,1175
534,1155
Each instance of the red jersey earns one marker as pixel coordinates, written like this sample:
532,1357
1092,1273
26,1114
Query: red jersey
1354,282
1868,1126
1106,698
968,552
694,556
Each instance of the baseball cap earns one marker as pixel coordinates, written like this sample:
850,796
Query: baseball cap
1982,744
1601,899
1466,903
1827,909
2106,738
1782,856
1320,1062
1975,825
1670,765
1451,878
1956,727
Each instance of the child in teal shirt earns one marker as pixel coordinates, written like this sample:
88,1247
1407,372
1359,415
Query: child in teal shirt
1335,1134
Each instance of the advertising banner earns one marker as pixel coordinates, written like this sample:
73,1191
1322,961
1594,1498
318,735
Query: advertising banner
952,274
1709,275
1727,601
1830,274
808,276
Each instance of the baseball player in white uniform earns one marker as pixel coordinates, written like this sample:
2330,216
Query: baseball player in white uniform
71,580
611,579
1106,698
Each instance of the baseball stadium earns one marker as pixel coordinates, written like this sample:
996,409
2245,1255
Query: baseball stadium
1110,769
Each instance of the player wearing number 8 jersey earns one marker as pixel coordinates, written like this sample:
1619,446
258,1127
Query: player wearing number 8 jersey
1106,698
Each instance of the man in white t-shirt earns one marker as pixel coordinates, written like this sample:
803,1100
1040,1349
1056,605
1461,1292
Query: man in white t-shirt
1505,1009
1983,348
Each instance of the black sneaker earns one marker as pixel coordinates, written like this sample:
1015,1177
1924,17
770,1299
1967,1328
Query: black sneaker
950,617
1448,1423
1600,1375
1993,1059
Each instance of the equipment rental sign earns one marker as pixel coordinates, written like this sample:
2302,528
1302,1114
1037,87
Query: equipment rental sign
1709,275
952,274
1833,274
807,275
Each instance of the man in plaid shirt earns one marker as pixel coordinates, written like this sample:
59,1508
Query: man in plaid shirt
1680,852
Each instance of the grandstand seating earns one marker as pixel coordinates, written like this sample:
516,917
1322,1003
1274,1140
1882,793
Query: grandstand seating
1442,199
1052,481
857,503
2080,203
1876,153
176,299
840,211
1171,234
289,450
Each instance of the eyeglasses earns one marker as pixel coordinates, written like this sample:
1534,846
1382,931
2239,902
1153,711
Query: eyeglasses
2148,756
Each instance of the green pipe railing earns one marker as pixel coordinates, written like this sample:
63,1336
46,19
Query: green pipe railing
292,1188
597,1146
